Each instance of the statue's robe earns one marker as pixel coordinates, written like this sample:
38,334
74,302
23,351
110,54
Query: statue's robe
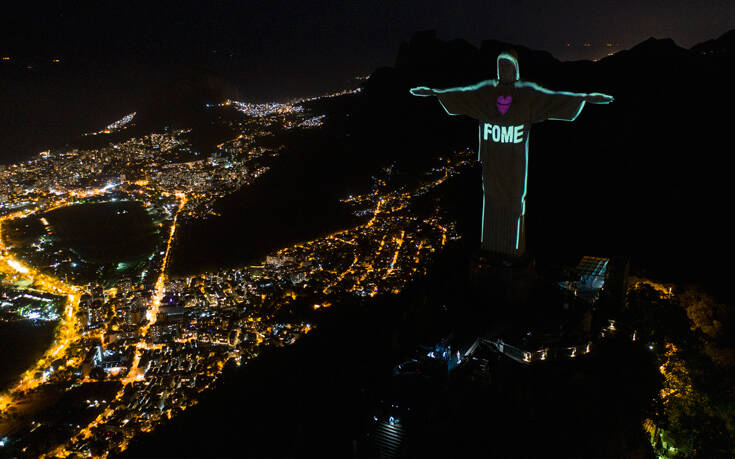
505,112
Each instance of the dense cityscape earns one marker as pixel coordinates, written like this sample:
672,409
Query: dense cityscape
150,343
217,241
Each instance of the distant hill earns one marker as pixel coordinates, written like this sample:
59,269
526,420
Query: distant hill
181,103
724,45
50,106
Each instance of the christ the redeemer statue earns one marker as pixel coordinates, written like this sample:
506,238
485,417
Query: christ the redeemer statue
505,108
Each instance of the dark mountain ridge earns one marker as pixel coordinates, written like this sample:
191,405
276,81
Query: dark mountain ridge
723,45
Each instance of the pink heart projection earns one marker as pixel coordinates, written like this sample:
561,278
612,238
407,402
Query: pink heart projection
504,103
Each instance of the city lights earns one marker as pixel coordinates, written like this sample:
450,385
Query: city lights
187,329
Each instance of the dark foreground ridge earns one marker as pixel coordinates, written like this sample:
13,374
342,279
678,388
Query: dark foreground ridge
322,396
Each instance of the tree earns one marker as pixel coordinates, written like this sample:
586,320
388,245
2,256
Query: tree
714,320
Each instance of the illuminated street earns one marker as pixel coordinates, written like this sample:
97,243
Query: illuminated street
166,340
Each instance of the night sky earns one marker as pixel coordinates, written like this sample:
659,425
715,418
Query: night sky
283,48
309,39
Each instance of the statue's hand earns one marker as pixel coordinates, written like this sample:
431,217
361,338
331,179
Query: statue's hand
597,98
422,91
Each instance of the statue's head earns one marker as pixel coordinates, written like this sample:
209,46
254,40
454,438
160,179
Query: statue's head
508,67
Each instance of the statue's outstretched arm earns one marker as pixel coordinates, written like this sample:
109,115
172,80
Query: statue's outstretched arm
559,105
422,91
472,100
598,98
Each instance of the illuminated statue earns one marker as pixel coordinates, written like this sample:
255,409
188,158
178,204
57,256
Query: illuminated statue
505,108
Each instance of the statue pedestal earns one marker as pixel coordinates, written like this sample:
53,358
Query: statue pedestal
502,279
